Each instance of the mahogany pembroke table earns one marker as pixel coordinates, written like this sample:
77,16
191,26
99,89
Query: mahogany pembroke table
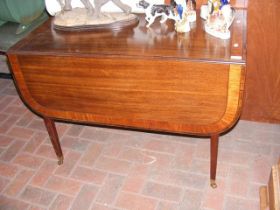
136,77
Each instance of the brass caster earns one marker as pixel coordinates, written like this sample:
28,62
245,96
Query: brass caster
60,160
213,183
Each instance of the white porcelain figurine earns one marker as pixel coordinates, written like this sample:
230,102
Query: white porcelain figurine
181,11
152,11
187,12
219,16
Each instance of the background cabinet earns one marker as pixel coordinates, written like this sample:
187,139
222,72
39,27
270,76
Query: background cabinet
262,97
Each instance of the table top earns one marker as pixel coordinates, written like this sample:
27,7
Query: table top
159,41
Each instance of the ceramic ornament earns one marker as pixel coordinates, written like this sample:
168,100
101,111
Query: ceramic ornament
187,13
219,16
183,25
191,10
181,11
88,14
152,11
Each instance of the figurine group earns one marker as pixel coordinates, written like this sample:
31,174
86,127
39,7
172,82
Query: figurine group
218,14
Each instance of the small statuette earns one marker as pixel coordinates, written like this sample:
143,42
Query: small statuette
183,25
181,11
219,16
191,10
187,14
152,11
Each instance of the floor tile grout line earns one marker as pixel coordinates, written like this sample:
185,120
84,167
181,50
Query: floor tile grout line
12,181
73,167
18,152
99,190
44,188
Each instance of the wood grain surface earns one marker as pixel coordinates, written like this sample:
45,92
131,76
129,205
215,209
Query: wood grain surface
171,96
158,41
262,101
183,83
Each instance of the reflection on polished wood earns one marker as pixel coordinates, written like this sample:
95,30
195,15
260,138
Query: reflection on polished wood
159,41
150,79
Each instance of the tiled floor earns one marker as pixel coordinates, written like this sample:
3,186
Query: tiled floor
118,169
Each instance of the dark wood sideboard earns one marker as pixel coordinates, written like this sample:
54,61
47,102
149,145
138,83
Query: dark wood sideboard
137,77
